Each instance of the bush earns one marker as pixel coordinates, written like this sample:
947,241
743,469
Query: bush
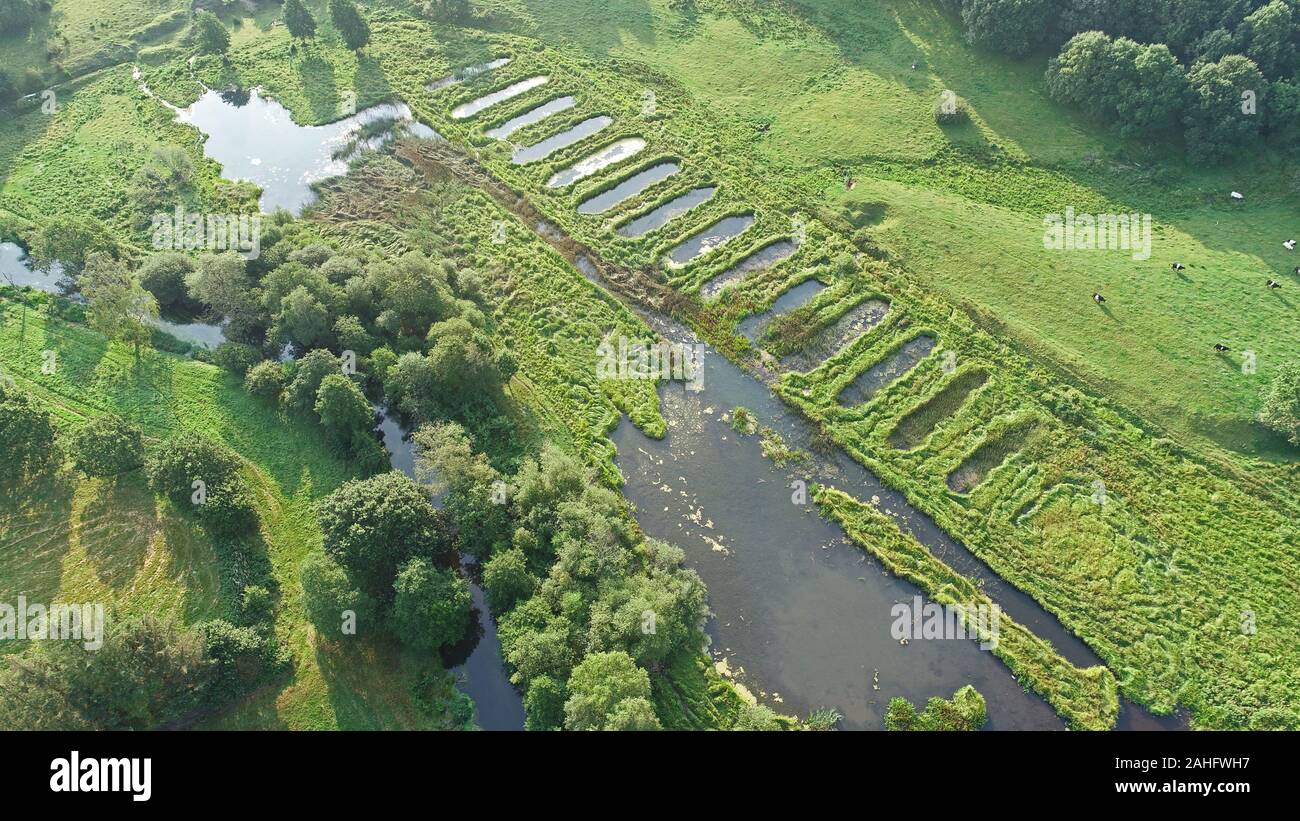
240,656
107,446
607,691
506,580
236,357
544,704
163,275
951,110
265,379
1281,409
28,442
196,472
334,604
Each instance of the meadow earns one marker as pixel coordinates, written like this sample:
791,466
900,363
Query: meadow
829,135
76,539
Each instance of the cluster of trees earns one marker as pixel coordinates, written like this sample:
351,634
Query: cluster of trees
1225,74
18,16
388,563
149,673
587,608
965,711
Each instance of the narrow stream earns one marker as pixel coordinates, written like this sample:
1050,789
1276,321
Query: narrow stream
482,674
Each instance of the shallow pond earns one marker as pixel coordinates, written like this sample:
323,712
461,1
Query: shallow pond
663,214
885,372
485,102
752,327
628,188
609,155
256,139
765,257
710,239
535,115
545,148
468,72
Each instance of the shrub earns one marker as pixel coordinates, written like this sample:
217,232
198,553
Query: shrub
236,357
107,446
194,471
265,379
334,604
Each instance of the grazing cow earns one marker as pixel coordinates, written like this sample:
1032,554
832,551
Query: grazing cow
1289,245
1098,298
1272,283
1221,348
1178,266
1297,270
1237,195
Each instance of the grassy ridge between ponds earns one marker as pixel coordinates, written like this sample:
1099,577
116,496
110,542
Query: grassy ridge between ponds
1087,699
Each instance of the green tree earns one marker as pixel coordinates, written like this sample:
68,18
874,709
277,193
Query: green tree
117,306
334,604
210,34
221,281
149,674
163,275
28,441
1268,36
351,25
608,691
107,446
1013,27
544,704
431,606
1281,408
1217,127
477,496
371,526
343,410
506,580
298,20
308,374
303,320
69,241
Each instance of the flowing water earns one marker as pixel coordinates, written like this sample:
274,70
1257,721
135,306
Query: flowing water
478,667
